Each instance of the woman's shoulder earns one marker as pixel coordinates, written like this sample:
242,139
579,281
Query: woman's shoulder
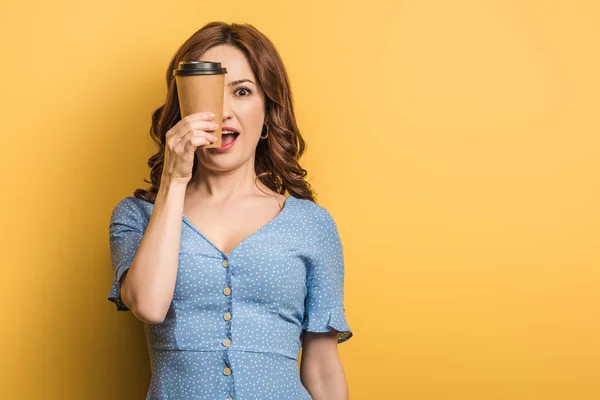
314,214
131,209
316,224
132,202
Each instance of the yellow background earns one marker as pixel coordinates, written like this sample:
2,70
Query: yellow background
456,143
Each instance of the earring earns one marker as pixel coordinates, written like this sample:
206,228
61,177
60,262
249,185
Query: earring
267,135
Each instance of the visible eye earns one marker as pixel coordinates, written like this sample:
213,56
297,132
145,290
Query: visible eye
245,89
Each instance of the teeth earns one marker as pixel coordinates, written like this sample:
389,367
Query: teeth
228,132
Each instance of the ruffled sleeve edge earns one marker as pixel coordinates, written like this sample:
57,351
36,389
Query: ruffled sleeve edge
115,291
322,320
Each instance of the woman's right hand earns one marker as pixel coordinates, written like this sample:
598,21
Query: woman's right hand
182,139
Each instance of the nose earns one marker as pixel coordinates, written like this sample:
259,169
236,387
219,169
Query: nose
226,108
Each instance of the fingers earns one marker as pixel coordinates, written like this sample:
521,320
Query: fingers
199,129
196,142
200,115
187,129
197,120
195,138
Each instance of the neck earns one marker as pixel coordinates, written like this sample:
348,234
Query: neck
225,185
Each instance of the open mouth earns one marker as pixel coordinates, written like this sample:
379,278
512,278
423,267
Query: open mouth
229,137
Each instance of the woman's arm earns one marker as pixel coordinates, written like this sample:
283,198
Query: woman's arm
321,370
148,286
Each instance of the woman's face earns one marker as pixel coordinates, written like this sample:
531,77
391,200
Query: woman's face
243,110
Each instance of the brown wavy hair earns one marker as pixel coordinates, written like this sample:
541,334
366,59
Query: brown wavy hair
277,158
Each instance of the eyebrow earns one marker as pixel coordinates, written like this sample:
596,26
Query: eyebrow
240,81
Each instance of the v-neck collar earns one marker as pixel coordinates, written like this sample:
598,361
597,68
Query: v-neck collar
271,222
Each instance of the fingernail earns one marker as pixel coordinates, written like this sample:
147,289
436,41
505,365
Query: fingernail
215,125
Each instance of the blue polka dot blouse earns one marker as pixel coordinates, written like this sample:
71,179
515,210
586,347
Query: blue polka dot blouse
235,326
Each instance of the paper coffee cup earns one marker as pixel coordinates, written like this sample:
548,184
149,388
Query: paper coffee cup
200,88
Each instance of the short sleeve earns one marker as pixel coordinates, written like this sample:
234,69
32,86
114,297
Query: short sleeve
324,302
126,230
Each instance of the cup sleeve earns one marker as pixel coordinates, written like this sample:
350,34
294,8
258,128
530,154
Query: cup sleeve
126,230
324,301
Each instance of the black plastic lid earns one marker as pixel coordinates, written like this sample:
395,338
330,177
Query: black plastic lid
199,68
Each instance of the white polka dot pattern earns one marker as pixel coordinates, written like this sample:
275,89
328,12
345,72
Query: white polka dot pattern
235,324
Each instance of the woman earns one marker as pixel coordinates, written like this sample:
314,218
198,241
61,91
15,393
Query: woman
230,277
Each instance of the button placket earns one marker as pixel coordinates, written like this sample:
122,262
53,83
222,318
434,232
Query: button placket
227,315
